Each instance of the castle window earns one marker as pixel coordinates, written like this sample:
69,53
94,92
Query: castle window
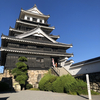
40,38
28,18
40,21
34,20
39,59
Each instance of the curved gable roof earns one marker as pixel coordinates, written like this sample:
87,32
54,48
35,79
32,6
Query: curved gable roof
35,10
36,32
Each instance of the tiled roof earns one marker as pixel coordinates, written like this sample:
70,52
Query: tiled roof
86,61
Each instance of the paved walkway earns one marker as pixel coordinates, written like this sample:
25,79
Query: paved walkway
42,95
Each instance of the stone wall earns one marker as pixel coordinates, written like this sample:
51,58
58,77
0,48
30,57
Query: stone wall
94,80
34,78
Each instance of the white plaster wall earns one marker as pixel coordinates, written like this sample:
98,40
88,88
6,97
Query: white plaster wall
83,69
25,17
42,21
67,67
31,18
38,20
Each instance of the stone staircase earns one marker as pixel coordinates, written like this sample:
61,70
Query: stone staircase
59,71
64,68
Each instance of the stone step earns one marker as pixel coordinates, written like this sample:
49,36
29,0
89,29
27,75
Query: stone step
60,71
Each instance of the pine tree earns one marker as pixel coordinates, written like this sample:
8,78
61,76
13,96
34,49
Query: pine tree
20,72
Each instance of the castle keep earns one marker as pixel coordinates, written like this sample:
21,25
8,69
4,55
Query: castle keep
32,38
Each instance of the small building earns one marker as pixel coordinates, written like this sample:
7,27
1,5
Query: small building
80,69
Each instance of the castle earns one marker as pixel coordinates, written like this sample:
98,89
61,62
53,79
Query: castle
32,38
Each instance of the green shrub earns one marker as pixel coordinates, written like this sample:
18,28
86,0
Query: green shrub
29,86
58,85
22,58
21,65
45,81
78,87
51,80
49,71
81,87
20,72
48,86
66,83
4,86
21,79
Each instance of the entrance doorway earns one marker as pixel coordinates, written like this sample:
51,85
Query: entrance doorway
55,61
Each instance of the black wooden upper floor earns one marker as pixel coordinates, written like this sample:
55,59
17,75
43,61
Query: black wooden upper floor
14,32
35,47
6,39
30,48
17,46
36,51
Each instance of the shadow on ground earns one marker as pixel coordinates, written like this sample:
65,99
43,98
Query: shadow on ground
4,98
6,85
83,96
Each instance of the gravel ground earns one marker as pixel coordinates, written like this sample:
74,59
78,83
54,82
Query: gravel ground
42,95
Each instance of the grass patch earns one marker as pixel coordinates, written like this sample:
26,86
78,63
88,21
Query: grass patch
34,89
94,93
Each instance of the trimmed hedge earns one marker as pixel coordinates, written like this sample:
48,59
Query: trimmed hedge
64,84
46,82
59,84
78,87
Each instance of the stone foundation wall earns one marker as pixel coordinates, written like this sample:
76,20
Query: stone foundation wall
34,78
94,80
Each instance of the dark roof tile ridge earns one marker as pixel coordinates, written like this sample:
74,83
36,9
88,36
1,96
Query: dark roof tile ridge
64,43
87,61
68,60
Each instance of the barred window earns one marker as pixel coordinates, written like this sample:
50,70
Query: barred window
28,18
40,21
34,20
39,59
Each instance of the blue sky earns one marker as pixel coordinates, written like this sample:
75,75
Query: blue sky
76,21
